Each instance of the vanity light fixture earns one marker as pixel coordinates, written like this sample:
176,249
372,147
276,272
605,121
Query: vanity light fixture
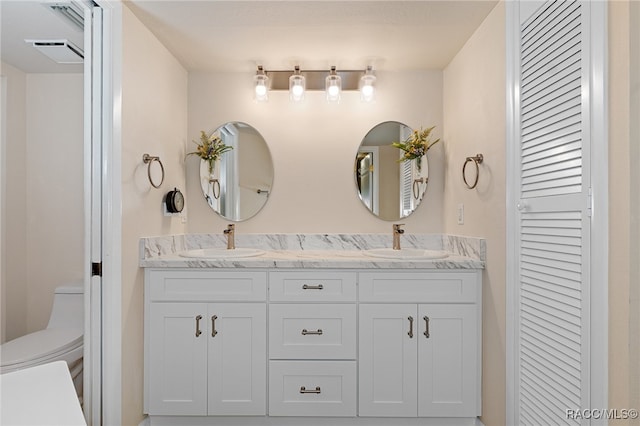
297,86
299,81
261,85
367,88
333,86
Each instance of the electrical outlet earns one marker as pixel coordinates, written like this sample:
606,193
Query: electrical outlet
460,214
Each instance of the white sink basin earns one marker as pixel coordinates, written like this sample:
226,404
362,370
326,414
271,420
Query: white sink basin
221,253
406,254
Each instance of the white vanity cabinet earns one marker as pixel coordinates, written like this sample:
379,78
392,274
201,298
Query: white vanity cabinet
312,343
419,359
280,344
204,358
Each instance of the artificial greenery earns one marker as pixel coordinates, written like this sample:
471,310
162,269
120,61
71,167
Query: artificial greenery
416,145
210,148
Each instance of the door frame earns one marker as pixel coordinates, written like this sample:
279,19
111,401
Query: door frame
104,300
599,324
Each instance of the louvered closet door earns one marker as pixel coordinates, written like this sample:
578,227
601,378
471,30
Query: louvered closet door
553,246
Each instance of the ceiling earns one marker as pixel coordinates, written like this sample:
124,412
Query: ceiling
213,35
22,20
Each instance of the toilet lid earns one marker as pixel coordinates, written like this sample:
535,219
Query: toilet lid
40,344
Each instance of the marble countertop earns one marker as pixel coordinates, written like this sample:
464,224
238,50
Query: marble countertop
315,251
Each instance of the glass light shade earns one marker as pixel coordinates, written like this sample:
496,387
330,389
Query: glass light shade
333,87
297,86
261,87
367,88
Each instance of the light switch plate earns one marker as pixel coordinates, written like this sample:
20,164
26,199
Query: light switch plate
460,214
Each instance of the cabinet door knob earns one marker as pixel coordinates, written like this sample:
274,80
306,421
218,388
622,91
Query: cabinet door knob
426,325
304,390
213,326
198,332
410,333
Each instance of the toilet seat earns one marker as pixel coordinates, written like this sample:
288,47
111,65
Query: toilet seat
40,346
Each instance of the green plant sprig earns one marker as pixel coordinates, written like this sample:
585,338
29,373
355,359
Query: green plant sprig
416,145
210,148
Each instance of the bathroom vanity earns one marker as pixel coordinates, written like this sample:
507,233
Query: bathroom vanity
312,337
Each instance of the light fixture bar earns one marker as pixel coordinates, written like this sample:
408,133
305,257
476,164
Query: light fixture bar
315,79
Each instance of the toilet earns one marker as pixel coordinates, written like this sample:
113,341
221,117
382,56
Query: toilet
62,340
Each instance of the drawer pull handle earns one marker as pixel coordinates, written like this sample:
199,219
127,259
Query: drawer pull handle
198,332
304,390
312,287
214,332
426,324
306,332
410,333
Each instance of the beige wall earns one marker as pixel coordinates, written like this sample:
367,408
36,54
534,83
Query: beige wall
474,122
313,146
14,206
624,210
42,197
154,121
54,189
634,253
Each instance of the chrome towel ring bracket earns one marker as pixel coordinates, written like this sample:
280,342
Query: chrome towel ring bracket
476,160
416,186
148,160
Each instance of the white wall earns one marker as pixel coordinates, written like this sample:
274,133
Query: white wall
154,121
42,234
54,189
313,146
14,204
474,117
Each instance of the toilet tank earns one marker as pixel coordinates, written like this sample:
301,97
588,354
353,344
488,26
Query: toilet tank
68,307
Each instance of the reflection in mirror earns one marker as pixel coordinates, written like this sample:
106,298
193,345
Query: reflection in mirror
242,178
390,189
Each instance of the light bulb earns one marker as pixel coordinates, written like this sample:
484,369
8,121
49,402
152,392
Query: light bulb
261,85
297,91
297,83
333,86
260,91
367,89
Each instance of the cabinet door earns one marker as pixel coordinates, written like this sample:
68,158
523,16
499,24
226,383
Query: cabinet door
237,359
177,357
448,361
388,360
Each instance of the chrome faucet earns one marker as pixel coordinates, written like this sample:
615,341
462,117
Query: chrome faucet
230,233
397,231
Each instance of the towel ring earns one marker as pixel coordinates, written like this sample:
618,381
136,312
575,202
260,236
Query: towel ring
416,186
215,183
148,160
476,160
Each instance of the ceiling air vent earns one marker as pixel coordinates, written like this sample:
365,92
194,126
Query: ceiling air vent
61,51
70,11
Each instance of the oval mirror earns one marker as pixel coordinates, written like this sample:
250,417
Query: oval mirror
239,185
389,188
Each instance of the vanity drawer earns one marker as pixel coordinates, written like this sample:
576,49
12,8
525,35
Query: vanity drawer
419,287
312,388
306,331
317,286
206,286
